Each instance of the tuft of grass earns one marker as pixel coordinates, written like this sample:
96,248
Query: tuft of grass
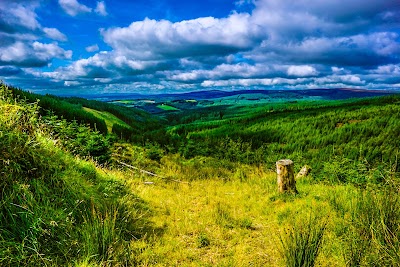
302,242
203,240
100,234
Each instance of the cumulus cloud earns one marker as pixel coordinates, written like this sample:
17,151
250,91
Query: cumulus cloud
73,7
150,39
302,71
103,65
101,9
387,69
22,18
54,34
25,16
31,55
21,34
92,48
357,50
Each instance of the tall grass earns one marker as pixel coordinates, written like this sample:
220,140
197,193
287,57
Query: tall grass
374,231
371,222
100,235
301,242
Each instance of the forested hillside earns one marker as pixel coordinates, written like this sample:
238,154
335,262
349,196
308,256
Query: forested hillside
348,132
73,109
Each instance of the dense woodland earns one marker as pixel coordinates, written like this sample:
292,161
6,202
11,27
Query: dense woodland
66,200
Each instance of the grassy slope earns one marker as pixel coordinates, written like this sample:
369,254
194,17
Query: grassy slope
239,220
55,209
167,107
109,118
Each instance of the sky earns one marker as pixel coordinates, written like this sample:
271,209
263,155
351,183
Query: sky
147,46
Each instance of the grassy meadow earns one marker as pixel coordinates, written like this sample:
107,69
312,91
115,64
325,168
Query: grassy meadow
198,189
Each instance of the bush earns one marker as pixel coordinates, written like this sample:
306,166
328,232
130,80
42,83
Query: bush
79,139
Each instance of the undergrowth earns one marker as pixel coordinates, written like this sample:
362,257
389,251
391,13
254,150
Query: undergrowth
56,209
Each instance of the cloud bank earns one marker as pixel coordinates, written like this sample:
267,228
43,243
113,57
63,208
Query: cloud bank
279,44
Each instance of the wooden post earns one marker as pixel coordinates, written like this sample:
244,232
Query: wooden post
286,181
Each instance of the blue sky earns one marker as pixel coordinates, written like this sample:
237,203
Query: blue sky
84,46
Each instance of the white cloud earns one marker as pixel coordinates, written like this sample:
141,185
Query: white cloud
55,34
101,8
35,54
20,16
390,69
244,2
101,67
73,7
348,79
252,82
302,71
203,36
25,16
336,69
92,48
71,83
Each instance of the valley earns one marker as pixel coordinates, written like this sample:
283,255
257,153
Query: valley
107,183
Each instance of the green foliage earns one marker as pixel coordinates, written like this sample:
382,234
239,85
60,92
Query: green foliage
341,140
72,109
302,242
68,111
154,152
136,118
54,208
344,170
123,132
374,237
79,139
57,209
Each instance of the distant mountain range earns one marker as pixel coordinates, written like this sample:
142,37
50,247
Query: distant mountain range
328,94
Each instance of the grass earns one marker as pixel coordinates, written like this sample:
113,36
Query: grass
60,210
56,209
226,218
167,107
301,243
215,222
109,118
126,102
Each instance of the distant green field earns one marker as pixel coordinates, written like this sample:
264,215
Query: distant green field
167,107
125,102
109,118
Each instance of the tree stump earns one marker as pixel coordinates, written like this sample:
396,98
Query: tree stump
285,174
304,172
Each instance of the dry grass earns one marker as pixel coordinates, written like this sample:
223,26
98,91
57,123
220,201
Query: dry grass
215,222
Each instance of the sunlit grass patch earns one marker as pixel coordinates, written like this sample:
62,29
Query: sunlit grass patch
167,107
109,118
